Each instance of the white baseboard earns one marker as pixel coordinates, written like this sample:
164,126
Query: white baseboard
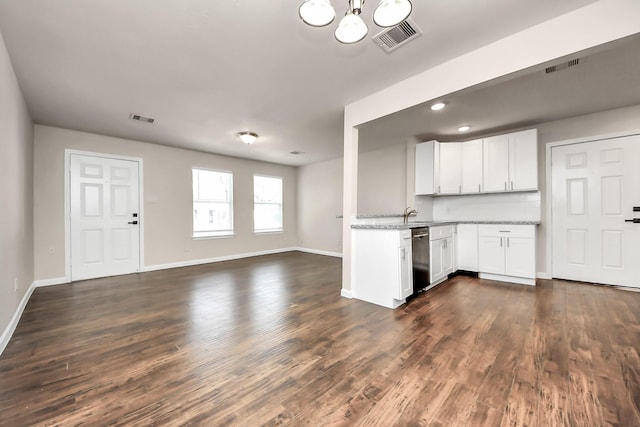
212,260
319,252
346,293
13,323
50,282
543,275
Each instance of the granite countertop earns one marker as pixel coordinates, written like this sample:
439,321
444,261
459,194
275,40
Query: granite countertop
416,224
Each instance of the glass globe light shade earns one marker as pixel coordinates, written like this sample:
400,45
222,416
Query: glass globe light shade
391,12
351,29
317,13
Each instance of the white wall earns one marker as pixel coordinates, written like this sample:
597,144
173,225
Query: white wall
16,193
167,200
319,205
382,180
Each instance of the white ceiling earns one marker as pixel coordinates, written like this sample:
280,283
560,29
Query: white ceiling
206,70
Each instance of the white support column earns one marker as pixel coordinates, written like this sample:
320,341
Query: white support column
349,202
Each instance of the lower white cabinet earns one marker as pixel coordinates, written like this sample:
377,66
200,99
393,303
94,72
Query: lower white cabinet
381,266
442,250
507,252
467,247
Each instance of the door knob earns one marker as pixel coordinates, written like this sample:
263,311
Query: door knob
133,222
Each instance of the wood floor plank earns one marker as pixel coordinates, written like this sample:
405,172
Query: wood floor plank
269,341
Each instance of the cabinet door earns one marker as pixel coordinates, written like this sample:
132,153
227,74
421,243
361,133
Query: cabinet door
491,254
496,163
450,168
520,257
405,283
523,160
467,247
448,251
472,166
427,167
436,266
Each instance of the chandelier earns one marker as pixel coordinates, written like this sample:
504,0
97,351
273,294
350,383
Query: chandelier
352,29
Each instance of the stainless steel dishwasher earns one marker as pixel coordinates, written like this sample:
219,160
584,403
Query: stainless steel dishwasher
420,251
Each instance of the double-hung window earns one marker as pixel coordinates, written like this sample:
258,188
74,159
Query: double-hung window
267,204
212,203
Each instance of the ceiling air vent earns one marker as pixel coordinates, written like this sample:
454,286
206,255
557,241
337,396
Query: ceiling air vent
394,37
140,118
564,65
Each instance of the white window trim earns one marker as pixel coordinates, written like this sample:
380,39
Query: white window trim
215,234
269,230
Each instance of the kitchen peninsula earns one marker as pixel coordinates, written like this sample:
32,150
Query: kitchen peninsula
383,270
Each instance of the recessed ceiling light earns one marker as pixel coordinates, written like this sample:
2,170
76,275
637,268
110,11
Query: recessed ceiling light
464,128
248,137
438,106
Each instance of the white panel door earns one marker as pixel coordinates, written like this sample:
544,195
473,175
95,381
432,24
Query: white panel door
595,186
104,202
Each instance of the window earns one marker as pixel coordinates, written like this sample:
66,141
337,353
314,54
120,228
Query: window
267,203
212,203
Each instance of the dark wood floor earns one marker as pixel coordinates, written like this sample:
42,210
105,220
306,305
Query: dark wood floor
268,340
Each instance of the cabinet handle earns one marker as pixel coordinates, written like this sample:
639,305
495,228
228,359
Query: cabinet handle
507,242
459,188
511,185
404,254
438,189
501,242
479,189
505,186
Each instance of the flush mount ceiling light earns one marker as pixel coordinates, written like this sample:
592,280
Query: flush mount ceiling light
464,128
438,106
352,28
248,137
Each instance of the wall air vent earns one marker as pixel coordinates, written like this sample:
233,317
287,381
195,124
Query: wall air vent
140,118
392,38
564,65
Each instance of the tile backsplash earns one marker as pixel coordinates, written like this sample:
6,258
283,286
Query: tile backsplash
488,207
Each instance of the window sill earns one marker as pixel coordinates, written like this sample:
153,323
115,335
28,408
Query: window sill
214,236
280,231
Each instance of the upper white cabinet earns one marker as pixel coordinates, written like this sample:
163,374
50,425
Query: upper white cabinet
523,160
427,167
472,166
450,168
500,163
511,162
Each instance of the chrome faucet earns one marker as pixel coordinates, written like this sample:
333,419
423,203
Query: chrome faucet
408,211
